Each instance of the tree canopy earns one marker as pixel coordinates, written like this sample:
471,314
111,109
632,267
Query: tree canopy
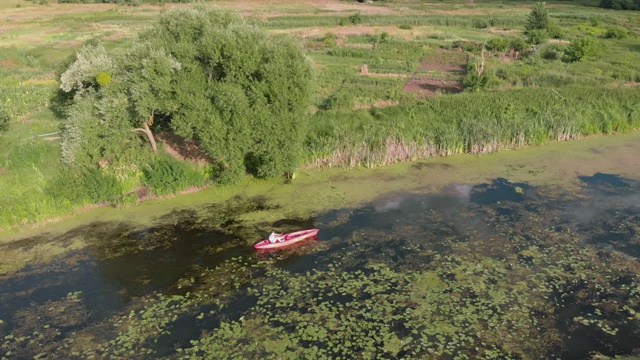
206,74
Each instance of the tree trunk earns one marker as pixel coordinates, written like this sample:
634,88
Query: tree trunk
149,134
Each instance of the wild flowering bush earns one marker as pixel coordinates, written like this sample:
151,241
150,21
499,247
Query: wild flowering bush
90,62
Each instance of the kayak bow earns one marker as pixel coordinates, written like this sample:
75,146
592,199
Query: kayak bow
290,238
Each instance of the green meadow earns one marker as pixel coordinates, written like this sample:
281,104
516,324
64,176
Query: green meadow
441,79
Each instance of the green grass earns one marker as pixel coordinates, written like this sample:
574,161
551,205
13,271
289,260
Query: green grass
20,100
464,21
28,164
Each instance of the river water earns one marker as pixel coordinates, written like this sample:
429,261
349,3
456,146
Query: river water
496,269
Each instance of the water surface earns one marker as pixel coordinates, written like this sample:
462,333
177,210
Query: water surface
491,270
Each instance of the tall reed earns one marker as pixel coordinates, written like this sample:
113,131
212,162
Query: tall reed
468,123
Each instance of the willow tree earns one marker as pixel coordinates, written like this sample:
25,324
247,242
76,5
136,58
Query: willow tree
207,74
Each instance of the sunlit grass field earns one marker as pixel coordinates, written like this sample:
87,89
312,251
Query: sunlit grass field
358,119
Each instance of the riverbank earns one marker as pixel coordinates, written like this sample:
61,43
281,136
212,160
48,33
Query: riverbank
556,166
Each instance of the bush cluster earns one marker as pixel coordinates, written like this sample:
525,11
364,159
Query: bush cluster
580,48
354,19
497,44
620,4
616,32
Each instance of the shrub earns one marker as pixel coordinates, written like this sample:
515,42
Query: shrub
166,175
68,187
616,32
477,79
355,19
552,52
330,36
405,26
100,187
469,46
383,37
579,49
329,39
536,37
497,44
555,31
518,44
480,23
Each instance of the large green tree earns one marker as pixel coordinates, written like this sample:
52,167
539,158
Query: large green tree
206,74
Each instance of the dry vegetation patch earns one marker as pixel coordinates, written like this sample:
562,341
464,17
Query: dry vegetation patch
503,31
183,149
272,8
28,12
441,71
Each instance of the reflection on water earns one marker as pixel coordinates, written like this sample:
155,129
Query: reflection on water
495,270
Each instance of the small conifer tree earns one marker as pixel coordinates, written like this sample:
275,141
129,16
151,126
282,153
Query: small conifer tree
538,18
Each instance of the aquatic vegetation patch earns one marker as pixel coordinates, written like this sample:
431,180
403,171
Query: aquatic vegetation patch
376,311
40,326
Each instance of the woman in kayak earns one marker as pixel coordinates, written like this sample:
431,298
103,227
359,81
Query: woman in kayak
274,237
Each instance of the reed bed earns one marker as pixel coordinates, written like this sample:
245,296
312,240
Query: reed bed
468,123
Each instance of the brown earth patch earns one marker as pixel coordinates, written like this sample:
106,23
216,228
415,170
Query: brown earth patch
629,84
503,31
143,192
3,170
340,31
183,149
10,64
431,87
447,68
384,75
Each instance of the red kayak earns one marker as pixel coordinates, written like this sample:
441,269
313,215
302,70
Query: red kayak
288,239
